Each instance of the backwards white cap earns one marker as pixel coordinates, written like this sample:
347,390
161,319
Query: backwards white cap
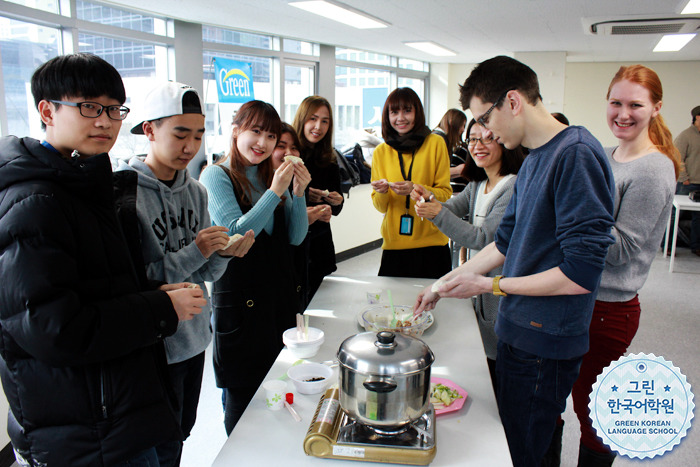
166,100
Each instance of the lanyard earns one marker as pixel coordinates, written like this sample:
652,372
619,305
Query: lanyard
403,173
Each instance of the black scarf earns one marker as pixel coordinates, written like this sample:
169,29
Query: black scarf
410,142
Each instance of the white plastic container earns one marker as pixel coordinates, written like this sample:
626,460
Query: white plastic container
301,348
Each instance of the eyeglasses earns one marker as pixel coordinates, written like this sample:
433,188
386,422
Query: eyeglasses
94,110
484,119
482,140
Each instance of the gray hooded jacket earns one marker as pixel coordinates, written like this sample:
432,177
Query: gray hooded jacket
169,220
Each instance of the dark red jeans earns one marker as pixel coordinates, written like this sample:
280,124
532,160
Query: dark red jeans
613,327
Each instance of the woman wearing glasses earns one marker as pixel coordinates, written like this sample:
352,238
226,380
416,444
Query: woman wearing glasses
470,218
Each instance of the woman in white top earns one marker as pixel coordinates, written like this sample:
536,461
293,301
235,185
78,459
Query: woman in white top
471,217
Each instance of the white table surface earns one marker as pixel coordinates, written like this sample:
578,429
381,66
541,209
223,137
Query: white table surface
681,203
471,436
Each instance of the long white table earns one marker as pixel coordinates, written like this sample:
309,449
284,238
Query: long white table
681,203
472,436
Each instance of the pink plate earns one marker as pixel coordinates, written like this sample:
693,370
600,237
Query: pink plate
456,404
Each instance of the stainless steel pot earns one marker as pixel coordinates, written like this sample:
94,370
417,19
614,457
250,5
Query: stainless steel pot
384,378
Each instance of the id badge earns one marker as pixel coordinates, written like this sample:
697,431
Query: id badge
406,227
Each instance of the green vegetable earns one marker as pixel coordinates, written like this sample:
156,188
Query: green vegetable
443,395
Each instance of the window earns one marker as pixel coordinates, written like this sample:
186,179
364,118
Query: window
120,18
417,85
299,82
23,47
46,5
358,107
142,66
228,36
141,46
409,64
301,47
361,56
219,139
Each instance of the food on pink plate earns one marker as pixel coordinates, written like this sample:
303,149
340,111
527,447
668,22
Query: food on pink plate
442,396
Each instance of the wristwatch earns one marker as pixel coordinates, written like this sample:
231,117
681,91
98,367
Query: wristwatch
496,287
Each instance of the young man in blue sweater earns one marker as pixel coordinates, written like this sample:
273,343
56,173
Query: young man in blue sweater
552,244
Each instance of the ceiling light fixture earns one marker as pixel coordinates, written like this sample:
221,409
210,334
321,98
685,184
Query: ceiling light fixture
431,48
341,13
691,8
673,42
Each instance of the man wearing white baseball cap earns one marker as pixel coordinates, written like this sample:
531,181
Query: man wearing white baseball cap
172,230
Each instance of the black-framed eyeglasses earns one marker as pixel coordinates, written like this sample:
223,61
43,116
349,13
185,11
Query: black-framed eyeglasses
93,109
482,140
484,119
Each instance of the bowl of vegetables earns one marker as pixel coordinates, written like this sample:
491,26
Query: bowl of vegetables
398,318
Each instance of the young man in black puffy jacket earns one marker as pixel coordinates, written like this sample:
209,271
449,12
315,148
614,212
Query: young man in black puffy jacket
82,359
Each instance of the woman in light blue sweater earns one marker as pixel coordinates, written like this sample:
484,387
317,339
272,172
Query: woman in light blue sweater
645,166
257,297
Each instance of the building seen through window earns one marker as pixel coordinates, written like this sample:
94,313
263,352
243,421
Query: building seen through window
284,70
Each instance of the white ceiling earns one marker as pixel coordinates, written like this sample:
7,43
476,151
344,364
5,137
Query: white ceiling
475,30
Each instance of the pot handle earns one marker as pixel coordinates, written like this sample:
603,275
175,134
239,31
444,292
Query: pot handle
380,386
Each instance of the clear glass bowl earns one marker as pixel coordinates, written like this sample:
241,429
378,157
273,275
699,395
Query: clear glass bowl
381,318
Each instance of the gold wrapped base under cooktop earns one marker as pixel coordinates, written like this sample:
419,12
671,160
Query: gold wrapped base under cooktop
334,435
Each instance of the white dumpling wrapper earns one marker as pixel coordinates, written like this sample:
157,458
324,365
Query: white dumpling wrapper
436,286
294,159
231,240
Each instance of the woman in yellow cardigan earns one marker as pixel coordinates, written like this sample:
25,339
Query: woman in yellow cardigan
410,154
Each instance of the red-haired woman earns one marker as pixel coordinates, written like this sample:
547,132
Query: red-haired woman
645,165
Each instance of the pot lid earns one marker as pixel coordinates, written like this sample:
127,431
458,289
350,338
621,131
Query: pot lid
385,353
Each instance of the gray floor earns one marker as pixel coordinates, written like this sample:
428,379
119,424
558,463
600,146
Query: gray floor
669,327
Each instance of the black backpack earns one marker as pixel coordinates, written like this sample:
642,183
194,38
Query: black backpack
349,175
355,157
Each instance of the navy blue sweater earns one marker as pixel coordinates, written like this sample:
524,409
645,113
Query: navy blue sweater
560,215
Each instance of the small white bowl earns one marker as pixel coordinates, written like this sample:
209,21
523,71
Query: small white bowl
301,374
303,348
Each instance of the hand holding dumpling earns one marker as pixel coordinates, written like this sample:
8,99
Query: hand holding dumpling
238,244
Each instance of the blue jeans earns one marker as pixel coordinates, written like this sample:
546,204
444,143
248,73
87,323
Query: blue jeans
531,396
147,458
695,215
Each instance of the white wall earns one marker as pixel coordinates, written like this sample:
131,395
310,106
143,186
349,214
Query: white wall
439,88
550,68
358,222
584,86
587,84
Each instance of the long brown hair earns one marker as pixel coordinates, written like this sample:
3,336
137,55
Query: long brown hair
659,133
252,114
321,152
450,124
